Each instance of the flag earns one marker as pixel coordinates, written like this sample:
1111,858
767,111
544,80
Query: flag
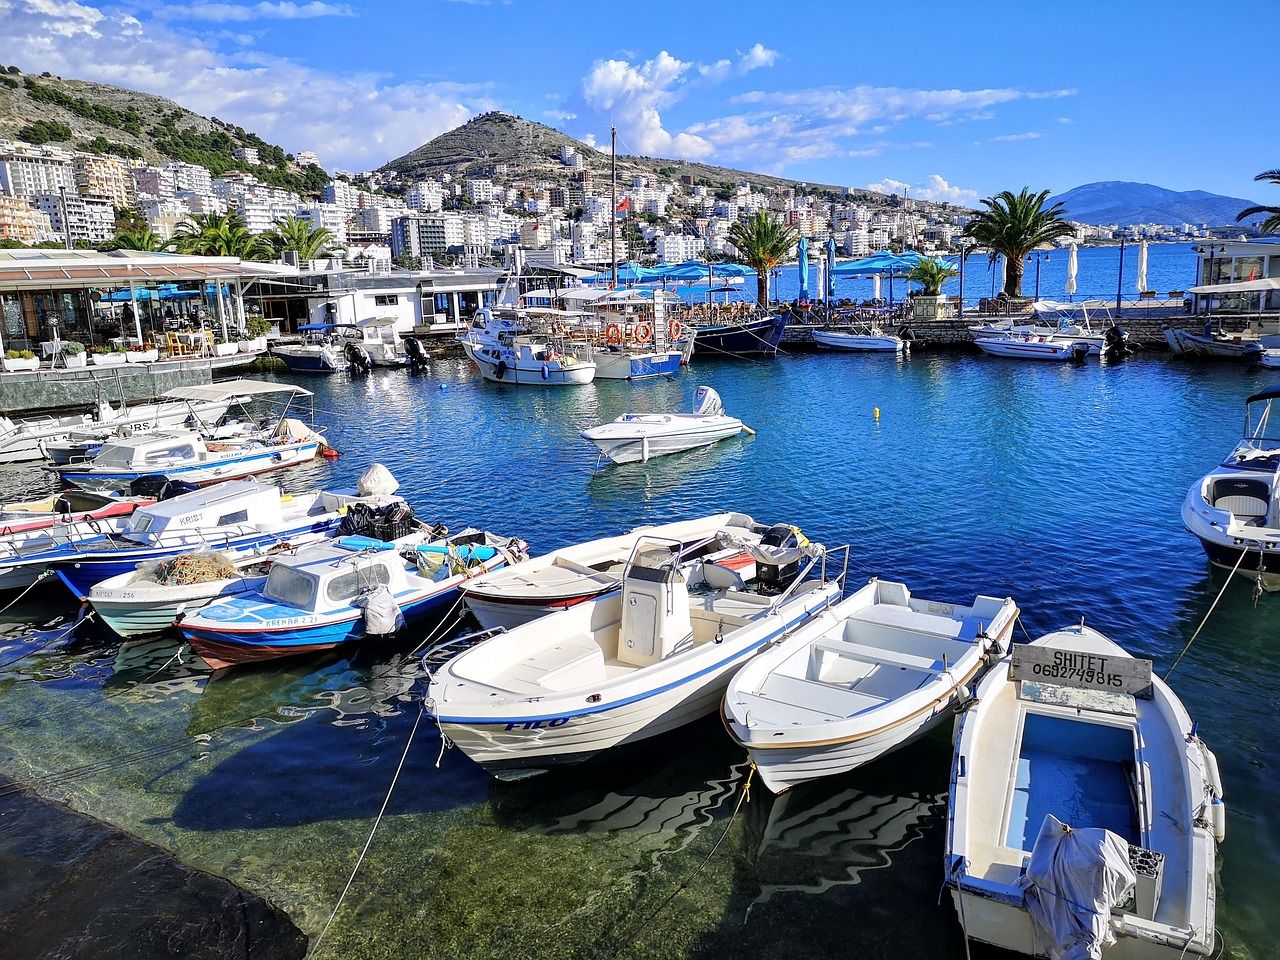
624,206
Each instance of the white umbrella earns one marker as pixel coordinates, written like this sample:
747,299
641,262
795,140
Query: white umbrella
1000,275
875,287
1073,268
1142,266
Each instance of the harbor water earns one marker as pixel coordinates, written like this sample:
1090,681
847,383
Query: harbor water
1057,485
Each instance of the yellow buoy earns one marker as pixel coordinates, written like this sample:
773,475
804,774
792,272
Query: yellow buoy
875,412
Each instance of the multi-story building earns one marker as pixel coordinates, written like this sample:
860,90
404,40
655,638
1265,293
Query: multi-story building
327,216
163,214
678,247
421,235
427,196
189,176
480,191
306,158
371,220
202,203
343,193
20,221
248,155
559,197
90,220
30,172
151,182
102,176
260,214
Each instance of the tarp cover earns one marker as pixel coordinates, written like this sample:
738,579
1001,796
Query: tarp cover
1073,880
377,480
382,614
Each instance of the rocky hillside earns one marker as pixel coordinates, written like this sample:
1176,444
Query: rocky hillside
78,114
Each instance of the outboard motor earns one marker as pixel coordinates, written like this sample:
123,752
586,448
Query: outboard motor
358,357
905,333
706,402
1115,344
783,542
159,487
1079,352
416,352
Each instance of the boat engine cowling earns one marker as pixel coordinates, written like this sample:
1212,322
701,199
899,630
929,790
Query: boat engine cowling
778,558
1115,343
416,352
159,487
706,402
358,357
1079,351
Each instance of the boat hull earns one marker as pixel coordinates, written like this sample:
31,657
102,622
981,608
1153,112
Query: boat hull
542,374
858,343
299,360
624,365
644,449
136,612
741,339
1024,349
1198,345
250,464
495,612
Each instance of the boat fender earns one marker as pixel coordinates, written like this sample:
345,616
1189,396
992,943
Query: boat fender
545,374
1218,818
1211,768
382,615
500,370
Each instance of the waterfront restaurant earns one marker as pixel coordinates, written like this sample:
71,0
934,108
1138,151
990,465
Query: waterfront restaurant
49,297
1237,261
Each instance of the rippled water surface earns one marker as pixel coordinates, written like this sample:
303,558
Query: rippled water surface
1057,485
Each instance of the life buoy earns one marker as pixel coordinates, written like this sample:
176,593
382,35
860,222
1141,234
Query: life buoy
613,334
675,329
644,331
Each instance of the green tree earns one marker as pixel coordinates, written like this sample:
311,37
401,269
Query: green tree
1272,223
931,274
1014,224
298,235
761,242
219,235
144,240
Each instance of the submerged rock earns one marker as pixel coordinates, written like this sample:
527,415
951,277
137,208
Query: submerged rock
72,887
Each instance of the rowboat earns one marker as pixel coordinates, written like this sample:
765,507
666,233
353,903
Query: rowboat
575,574
871,674
1085,811
638,437
626,666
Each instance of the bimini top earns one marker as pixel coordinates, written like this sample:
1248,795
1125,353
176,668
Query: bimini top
313,327
1271,393
231,389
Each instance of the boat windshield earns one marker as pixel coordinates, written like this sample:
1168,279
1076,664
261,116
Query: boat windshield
291,586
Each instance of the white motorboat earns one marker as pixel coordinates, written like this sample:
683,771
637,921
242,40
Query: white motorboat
1246,344
1270,358
317,352
564,578
638,437
150,598
1071,730
1088,322
1234,510
504,355
1033,347
869,339
370,343
628,665
874,672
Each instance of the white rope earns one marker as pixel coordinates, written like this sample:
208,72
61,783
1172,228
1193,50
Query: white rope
1243,553
315,950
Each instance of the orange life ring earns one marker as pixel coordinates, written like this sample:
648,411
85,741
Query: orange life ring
644,331
674,329
613,334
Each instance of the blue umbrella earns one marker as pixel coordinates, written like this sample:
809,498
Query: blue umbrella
627,273
733,270
689,270
802,262
831,264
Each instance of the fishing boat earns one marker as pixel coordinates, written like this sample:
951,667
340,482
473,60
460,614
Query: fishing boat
1085,811
869,338
575,574
633,336
151,597
317,352
236,517
341,591
741,338
1033,347
191,458
21,520
871,674
638,437
1245,344
504,355
628,665
1233,510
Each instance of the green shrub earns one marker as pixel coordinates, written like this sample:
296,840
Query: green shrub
44,131
257,327
72,348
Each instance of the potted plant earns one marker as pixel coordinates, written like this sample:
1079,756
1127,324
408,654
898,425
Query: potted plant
929,303
15,360
224,348
149,354
256,330
73,354
106,356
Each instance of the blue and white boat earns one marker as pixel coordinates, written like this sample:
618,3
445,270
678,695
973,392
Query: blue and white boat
317,353
342,591
234,517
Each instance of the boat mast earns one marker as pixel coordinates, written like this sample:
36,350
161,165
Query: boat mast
613,205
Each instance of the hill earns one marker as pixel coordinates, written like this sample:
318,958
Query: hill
100,118
532,149
1125,203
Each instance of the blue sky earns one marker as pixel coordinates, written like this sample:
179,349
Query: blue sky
956,101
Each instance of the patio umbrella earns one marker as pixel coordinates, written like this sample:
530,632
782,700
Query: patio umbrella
1073,269
689,270
831,266
875,287
802,264
999,274
1142,266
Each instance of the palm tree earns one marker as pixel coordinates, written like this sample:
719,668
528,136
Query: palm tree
296,234
1014,224
219,235
144,240
761,242
1272,223
931,274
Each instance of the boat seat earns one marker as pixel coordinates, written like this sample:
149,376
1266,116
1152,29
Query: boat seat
571,662
834,700
893,658
1249,509
894,615
733,606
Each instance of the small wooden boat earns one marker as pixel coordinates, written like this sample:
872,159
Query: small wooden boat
1079,770
628,665
334,593
638,437
871,674
575,574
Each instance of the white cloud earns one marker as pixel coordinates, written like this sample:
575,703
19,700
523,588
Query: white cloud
758,56
355,120
559,116
1065,120
1014,137
935,188
888,186
238,13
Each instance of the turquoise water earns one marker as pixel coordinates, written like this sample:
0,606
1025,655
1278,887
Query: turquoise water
1057,485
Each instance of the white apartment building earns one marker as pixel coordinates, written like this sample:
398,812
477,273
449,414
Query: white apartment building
678,247
202,203
371,220
247,155
163,214
30,172
421,235
427,196
327,216
537,234
480,191
342,193
102,176
567,153
92,220
856,242
307,158
260,215
189,176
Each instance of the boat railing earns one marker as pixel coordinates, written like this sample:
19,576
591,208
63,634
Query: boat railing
819,561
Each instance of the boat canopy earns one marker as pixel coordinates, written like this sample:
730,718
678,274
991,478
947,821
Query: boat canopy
231,389
1240,286
313,327
1271,393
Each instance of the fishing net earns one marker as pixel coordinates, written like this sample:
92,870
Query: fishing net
193,568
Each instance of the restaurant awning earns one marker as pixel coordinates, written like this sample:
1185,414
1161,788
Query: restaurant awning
22,269
1240,286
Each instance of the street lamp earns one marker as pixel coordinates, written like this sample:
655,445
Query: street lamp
1038,258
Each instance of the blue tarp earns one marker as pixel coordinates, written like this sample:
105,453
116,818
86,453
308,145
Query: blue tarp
831,263
308,327
802,264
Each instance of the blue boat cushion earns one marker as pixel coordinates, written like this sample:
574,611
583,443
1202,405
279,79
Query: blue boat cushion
364,543
481,554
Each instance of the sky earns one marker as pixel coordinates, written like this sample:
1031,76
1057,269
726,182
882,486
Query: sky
950,101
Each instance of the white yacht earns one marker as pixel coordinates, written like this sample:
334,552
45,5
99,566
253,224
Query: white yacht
638,437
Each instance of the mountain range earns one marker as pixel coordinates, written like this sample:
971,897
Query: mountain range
1125,203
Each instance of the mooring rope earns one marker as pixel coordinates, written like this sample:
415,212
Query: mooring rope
1243,553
